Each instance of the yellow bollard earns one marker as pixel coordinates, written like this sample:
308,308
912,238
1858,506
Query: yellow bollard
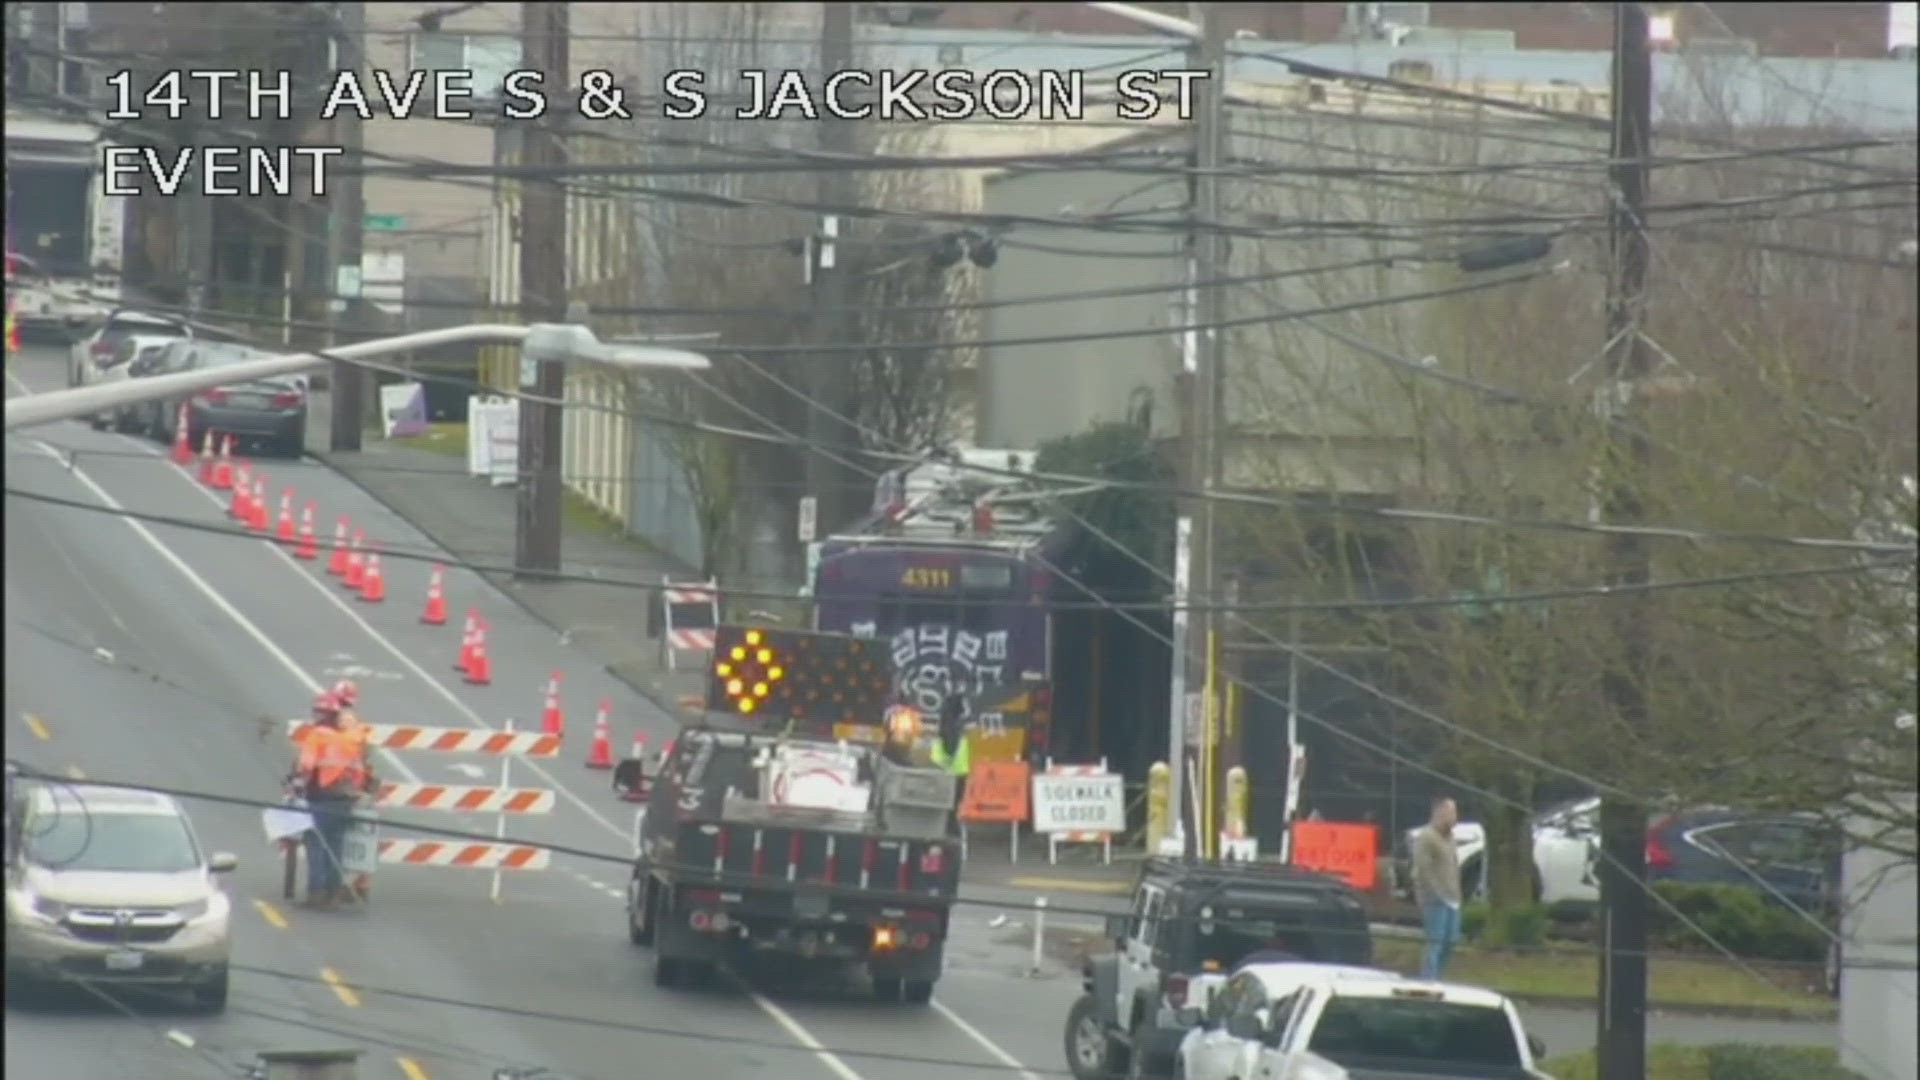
1159,821
1239,798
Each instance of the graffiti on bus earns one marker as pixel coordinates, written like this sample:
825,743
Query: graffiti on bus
933,661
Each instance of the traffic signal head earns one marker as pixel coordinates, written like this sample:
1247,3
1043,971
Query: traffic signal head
791,674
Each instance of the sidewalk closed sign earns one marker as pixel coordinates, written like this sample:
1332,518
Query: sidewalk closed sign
1078,804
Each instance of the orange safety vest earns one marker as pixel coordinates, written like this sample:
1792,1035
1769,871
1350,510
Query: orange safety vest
356,731
331,761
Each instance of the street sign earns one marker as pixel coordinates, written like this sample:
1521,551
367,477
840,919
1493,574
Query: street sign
809,518
1078,802
384,222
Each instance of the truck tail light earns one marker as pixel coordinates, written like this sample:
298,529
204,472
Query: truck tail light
920,940
885,937
933,861
700,921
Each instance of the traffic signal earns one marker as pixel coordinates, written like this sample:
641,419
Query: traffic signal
814,678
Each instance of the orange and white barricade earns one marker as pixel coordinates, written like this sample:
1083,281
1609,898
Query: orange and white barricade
1079,804
690,617
364,849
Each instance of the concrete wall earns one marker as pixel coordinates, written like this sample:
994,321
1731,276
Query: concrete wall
1881,978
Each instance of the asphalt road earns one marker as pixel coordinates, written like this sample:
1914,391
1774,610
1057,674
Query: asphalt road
211,642
164,655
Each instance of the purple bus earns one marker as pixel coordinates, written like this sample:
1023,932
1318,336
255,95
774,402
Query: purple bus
961,614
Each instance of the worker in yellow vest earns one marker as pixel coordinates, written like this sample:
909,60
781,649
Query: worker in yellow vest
951,748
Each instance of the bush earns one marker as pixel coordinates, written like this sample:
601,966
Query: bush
1738,918
1473,920
1521,927
1738,1061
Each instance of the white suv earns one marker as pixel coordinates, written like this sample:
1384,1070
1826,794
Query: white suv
95,354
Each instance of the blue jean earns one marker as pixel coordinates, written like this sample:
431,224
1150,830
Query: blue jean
1442,923
331,817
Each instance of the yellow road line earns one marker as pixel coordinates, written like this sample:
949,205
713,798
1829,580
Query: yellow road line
412,1069
271,914
1046,884
74,773
37,726
340,988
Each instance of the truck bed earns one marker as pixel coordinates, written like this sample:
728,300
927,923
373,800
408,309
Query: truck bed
780,852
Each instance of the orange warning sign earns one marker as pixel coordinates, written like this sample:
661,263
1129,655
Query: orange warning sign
997,793
1348,852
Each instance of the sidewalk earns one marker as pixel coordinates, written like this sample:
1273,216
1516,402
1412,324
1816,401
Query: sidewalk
474,522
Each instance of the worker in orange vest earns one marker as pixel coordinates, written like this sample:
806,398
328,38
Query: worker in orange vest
347,692
331,777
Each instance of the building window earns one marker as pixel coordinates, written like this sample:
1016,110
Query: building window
489,57
1376,17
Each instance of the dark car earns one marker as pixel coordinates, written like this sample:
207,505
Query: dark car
272,411
1191,922
1791,858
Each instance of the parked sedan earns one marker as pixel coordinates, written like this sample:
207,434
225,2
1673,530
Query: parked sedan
1788,858
267,411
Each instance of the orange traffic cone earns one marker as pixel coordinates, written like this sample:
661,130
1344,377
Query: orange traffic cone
288,532
373,586
552,720
480,667
206,452
240,481
182,447
337,566
356,576
259,517
600,755
309,548
223,468
465,662
436,613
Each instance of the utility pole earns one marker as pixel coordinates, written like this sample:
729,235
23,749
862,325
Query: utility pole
345,234
837,188
545,32
1200,353
1622,1041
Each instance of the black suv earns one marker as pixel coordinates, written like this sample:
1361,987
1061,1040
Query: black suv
1190,920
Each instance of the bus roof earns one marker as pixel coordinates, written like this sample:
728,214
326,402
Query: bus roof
28,127
1011,545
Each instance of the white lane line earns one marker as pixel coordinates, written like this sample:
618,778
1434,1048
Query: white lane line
991,1047
219,601
780,1016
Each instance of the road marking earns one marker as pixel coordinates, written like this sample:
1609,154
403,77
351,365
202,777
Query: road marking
74,773
412,1069
37,726
792,1027
985,1043
340,988
271,914
220,602
802,1036
1048,884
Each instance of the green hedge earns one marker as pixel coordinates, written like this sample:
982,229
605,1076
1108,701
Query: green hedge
1739,919
1734,1061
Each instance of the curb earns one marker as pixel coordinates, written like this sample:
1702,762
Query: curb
502,582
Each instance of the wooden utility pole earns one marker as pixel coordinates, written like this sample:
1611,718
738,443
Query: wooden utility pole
1622,1041
545,32
827,434
1195,572
344,237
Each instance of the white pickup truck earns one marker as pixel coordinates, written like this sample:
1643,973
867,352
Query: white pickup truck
1370,1029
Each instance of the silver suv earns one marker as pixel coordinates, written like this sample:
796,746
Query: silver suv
109,887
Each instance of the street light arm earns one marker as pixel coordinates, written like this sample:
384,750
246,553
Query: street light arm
541,341
1153,20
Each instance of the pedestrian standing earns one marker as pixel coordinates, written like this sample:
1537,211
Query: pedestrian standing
1436,886
331,777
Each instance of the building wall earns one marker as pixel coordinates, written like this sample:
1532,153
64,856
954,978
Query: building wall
1881,977
1818,31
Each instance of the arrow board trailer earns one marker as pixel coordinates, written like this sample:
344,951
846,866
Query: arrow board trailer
69,234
